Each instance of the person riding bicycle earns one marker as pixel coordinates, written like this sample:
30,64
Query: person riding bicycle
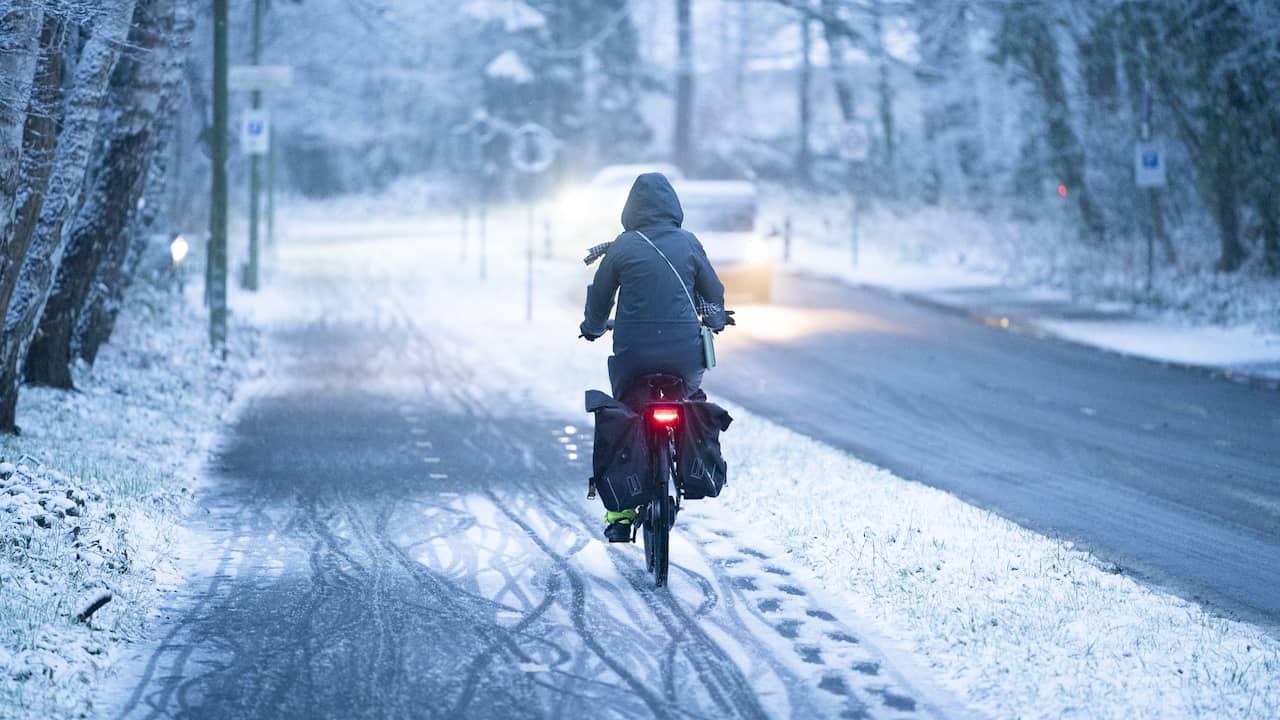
656,329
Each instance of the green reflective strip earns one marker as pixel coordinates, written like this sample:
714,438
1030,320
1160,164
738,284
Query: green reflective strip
622,516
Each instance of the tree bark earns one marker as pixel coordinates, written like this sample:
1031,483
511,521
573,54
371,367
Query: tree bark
75,142
39,136
98,316
884,91
682,140
99,233
835,38
1027,38
20,26
804,158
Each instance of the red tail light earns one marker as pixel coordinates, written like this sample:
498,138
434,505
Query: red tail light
665,415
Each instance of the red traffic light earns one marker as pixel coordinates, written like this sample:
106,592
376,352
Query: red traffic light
1062,191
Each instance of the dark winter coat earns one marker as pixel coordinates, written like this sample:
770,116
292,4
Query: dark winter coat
655,319
656,327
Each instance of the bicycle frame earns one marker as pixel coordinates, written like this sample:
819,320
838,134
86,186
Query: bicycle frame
661,420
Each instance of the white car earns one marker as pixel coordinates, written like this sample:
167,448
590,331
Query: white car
722,213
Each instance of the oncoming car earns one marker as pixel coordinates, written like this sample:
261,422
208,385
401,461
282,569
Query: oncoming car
722,213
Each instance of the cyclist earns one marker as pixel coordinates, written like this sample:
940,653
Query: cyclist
656,328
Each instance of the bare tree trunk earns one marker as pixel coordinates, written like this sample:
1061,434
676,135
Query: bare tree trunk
39,136
884,92
682,141
836,60
75,142
19,33
99,234
804,157
98,316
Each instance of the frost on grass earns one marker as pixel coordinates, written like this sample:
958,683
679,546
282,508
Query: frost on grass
1019,624
935,248
88,494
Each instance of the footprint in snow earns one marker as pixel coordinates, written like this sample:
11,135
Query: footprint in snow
810,654
744,583
777,571
867,668
843,637
789,629
834,684
791,590
821,615
896,701
754,553
769,605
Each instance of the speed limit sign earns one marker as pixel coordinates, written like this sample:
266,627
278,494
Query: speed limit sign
533,148
855,142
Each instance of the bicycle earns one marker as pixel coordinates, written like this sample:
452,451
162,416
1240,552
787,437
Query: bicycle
662,412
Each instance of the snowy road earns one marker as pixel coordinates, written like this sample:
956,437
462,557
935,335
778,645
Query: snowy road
382,542
1173,476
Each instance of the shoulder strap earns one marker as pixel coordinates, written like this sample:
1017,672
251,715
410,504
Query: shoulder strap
677,273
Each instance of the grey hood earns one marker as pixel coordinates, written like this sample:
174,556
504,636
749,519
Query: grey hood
652,202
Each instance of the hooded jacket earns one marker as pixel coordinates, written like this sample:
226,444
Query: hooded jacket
651,302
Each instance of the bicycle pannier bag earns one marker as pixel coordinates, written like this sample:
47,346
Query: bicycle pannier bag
700,469
619,459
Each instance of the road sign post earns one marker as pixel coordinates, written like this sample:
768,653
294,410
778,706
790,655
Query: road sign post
533,150
855,146
1149,174
216,269
256,136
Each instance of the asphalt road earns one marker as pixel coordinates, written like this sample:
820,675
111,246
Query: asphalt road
379,544
1171,475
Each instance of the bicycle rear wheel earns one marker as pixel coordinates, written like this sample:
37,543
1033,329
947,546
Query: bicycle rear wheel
659,539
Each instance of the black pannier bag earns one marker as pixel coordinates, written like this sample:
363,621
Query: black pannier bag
619,459
700,469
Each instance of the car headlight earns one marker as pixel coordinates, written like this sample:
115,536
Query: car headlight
757,252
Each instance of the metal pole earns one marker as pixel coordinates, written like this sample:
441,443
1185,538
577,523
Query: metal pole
466,228
217,249
528,268
786,238
251,277
271,187
1151,243
546,236
855,218
1146,136
484,232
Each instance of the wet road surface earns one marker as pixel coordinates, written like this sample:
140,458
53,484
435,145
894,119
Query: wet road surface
1172,475
382,545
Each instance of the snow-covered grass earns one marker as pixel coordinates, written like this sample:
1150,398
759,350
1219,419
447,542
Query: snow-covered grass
1015,623
1019,624
89,496
1192,314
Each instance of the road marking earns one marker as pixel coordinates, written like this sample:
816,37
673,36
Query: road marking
534,667
563,439
439,476
423,443
573,456
431,460
569,429
570,446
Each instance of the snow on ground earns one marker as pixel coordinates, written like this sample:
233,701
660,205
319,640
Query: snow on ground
89,496
1015,623
991,266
